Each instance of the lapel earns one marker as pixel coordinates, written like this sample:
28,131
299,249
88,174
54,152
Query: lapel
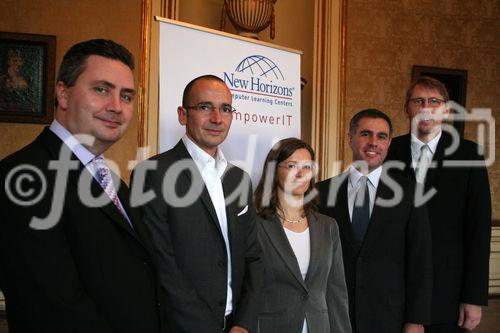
433,172
138,232
316,236
194,178
404,150
405,156
278,239
110,209
344,220
55,147
231,183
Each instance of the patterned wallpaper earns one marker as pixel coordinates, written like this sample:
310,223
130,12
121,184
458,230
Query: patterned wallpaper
385,38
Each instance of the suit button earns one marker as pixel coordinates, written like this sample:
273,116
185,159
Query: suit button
158,304
221,263
146,263
222,303
303,297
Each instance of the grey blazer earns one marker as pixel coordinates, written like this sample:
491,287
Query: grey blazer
286,297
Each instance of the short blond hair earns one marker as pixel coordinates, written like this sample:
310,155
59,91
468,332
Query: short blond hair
427,83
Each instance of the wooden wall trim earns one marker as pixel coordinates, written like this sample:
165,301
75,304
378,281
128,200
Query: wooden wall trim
494,283
142,98
148,95
328,85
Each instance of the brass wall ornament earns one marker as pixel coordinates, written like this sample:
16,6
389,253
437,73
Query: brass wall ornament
249,16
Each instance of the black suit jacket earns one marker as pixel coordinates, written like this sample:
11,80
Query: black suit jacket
389,276
90,272
460,217
192,252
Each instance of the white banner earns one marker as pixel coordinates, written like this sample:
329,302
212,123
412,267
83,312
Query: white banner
264,82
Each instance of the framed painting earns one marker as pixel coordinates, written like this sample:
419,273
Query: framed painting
27,72
455,81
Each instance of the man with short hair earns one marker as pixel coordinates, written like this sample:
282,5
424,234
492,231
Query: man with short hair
385,239
203,220
74,256
459,206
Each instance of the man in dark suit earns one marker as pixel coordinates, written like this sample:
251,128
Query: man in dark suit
73,255
203,220
385,239
459,206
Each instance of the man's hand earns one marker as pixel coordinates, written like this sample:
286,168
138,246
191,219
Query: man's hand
469,316
413,328
237,329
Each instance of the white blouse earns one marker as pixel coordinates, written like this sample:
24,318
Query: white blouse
301,246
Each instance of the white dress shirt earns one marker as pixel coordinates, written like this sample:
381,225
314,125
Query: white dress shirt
354,186
416,148
211,170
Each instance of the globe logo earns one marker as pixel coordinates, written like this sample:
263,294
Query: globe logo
261,66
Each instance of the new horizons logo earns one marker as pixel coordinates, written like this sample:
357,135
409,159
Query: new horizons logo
257,64
256,75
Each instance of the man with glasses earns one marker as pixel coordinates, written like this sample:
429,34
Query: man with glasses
459,206
203,220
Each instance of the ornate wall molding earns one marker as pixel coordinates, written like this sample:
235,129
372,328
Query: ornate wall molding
148,72
495,260
328,128
169,9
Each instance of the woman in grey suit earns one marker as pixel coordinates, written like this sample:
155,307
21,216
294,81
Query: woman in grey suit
304,289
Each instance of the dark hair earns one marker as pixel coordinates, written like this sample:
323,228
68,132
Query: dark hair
282,150
368,113
427,82
73,63
189,87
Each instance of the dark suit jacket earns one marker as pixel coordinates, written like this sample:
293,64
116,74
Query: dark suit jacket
193,257
90,272
460,217
286,297
389,276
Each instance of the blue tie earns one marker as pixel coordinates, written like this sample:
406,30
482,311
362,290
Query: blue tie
361,211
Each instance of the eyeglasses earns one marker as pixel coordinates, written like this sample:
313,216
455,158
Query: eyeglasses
206,108
431,101
291,166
